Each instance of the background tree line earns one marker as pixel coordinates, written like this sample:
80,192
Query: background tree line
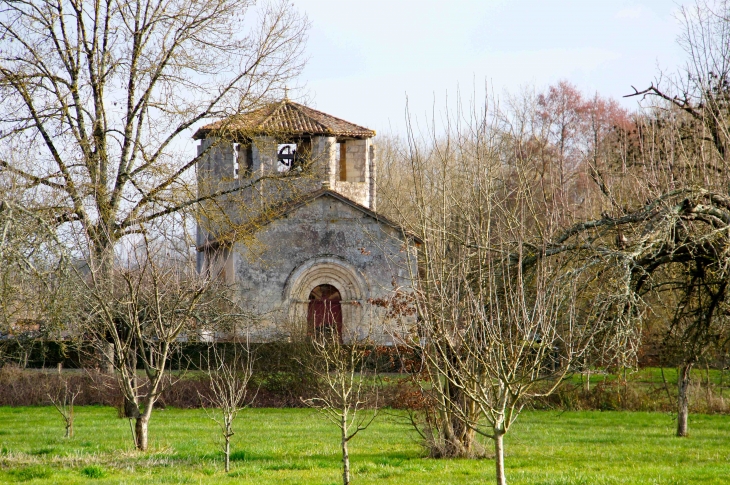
637,200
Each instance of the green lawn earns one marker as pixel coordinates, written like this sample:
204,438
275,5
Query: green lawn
296,446
653,375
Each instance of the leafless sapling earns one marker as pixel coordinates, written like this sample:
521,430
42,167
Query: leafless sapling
345,393
229,372
63,396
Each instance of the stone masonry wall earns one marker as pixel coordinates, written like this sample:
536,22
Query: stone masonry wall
363,257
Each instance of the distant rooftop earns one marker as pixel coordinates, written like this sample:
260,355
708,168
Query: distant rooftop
285,117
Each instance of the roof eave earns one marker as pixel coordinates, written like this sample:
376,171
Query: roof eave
203,133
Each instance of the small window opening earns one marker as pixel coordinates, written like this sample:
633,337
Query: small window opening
286,155
341,156
236,159
294,156
304,153
243,163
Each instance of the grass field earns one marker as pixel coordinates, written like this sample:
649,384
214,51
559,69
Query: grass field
296,446
653,375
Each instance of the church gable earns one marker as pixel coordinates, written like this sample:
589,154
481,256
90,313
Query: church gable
325,245
330,206
327,224
328,209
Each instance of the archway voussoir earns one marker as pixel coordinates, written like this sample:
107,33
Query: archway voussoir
337,272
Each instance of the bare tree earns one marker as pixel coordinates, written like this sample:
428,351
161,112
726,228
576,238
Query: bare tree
675,247
502,317
101,93
675,173
229,389
63,398
155,301
701,88
99,100
663,185
33,275
345,388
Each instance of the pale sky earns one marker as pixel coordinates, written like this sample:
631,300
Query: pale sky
367,56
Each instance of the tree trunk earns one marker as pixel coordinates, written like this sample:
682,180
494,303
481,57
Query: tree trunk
106,358
345,457
683,380
228,452
140,431
70,422
459,437
499,457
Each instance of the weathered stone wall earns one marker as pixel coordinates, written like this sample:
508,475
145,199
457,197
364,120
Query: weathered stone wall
264,155
217,172
323,158
356,191
324,241
219,160
357,160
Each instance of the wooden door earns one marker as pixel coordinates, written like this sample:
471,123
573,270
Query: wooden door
324,314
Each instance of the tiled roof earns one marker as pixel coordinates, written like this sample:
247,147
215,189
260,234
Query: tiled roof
285,117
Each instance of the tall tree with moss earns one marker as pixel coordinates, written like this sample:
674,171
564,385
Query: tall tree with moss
100,98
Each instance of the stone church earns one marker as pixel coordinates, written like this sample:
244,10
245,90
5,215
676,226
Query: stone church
301,239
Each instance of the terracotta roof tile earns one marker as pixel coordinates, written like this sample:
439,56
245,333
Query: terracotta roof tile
286,117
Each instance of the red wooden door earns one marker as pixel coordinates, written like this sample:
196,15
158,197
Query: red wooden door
324,315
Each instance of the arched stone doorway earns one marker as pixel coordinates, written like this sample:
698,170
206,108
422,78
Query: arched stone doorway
348,281
324,313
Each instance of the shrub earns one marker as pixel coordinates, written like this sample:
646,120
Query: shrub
31,473
93,471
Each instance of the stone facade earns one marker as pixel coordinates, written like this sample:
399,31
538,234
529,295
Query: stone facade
325,240
316,230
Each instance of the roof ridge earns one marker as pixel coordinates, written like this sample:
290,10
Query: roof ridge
331,116
301,111
281,104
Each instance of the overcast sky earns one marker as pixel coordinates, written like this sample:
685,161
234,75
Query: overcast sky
367,56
